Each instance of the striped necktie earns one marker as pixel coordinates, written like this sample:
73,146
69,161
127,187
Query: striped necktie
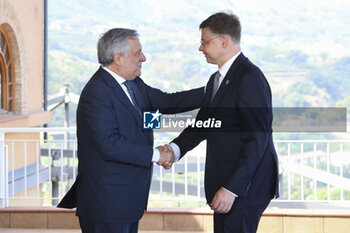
130,88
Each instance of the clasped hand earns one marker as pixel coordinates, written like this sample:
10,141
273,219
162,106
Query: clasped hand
167,157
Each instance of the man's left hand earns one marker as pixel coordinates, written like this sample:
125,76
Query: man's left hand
167,157
222,201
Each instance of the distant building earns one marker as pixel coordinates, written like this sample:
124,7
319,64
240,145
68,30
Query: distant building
21,73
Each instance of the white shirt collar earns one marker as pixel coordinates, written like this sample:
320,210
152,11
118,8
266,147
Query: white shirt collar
224,69
119,79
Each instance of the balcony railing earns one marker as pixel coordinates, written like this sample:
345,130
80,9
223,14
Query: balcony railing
41,164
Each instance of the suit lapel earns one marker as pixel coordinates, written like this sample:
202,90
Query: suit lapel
142,100
140,96
228,78
120,95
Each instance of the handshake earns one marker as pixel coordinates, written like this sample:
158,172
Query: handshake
167,157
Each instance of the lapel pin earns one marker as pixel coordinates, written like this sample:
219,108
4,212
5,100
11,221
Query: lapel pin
227,82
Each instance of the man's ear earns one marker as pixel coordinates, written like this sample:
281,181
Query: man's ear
117,59
225,41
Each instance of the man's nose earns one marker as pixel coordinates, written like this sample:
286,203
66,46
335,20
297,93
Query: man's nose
142,57
200,47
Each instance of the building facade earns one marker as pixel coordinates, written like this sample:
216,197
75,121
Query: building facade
21,63
21,76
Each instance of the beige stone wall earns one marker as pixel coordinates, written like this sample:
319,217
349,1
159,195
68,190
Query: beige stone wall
178,221
30,15
23,21
22,154
17,151
31,193
12,26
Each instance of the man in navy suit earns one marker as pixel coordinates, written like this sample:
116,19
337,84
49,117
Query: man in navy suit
115,154
241,163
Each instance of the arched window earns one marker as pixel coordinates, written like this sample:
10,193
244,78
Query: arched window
6,74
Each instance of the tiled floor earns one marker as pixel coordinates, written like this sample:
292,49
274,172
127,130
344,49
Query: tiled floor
77,231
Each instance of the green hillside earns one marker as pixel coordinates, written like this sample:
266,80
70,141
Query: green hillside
302,47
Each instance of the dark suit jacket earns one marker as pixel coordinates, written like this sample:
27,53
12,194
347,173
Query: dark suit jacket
240,155
114,152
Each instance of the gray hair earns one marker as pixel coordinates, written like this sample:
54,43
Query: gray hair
114,41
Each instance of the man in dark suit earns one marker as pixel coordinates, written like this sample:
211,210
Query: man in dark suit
115,154
241,163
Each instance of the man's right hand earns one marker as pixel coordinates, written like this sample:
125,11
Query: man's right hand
167,156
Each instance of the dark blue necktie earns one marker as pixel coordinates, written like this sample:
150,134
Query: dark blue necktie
130,87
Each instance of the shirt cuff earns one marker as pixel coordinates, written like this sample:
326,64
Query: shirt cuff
230,191
176,150
156,155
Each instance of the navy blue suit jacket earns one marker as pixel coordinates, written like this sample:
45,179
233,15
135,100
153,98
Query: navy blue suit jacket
240,155
114,152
